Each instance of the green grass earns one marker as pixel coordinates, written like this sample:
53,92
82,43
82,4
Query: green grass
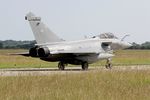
123,57
18,61
87,85
129,57
100,85
132,57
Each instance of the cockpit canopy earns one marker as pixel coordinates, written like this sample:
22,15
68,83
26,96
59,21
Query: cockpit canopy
106,36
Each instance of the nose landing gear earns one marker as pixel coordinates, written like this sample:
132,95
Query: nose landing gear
108,64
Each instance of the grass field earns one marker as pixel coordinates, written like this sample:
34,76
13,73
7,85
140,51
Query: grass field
129,57
87,85
17,61
124,57
100,85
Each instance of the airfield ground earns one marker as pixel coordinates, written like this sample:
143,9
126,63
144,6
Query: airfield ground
132,83
122,58
31,79
68,70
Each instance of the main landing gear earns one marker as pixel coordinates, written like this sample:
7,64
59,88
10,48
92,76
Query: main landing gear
84,65
61,66
108,63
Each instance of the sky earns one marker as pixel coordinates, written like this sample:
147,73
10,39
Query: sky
75,19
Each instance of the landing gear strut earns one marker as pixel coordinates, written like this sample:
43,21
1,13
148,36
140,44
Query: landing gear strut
108,63
61,66
85,65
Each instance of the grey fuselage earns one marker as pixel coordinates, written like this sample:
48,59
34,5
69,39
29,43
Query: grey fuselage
76,52
50,47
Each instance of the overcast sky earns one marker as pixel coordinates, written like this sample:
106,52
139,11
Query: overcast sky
73,19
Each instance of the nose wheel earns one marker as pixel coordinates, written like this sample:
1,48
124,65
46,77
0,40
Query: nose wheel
108,64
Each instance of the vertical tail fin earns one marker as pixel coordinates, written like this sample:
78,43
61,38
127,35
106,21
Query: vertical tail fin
41,32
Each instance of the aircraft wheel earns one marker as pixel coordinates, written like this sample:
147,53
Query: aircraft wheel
85,65
108,64
61,66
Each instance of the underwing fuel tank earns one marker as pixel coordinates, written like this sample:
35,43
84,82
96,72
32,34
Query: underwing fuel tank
105,55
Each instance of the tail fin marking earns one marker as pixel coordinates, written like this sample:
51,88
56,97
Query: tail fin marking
41,32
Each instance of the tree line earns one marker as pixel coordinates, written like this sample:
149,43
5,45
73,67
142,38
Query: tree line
12,44
145,45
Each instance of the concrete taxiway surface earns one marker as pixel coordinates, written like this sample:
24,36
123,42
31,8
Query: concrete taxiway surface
68,70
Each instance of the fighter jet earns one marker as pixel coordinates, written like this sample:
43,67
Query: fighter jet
51,48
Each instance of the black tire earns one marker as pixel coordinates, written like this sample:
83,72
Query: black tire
61,66
85,66
108,66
